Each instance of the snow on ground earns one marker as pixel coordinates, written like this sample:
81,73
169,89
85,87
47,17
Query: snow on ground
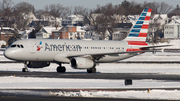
154,94
12,82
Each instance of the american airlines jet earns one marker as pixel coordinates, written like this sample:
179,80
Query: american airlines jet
80,54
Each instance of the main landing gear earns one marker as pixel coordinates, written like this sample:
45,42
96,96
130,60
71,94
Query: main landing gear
91,70
61,69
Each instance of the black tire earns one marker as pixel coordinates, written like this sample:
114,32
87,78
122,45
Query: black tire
91,70
128,82
61,69
24,70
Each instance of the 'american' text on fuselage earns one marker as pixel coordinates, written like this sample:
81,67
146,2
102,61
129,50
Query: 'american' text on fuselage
59,47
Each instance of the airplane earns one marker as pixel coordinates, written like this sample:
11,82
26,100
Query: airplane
81,54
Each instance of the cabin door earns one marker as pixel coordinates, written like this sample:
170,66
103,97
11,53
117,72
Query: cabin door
32,47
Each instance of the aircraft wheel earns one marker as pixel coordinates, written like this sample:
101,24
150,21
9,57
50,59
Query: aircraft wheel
61,69
91,70
24,70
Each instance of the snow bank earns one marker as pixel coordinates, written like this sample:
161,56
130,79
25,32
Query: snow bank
154,94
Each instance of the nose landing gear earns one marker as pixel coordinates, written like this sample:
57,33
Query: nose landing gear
25,69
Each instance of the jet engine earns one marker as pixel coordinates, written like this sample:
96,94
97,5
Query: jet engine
82,63
37,64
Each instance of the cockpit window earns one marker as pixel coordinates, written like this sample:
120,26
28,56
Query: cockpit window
22,46
13,46
18,46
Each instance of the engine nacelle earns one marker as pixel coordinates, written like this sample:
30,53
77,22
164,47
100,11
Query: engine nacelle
37,64
82,63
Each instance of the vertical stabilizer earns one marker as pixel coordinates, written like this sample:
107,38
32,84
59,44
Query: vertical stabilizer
138,33
140,29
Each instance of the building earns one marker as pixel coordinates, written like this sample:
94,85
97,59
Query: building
25,34
73,20
2,44
46,20
46,32
121,31
69,32
6,33
171,31
91,19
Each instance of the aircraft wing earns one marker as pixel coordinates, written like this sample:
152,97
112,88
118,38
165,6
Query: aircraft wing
100,55
148,47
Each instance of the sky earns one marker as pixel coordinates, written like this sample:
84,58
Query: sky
40,4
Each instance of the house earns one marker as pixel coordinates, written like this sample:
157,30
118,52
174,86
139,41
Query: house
73,20
6,33
121,31
2,44
28,17
46,32
160,19
24,34
172,29
69,32
133,18
91,19
47,20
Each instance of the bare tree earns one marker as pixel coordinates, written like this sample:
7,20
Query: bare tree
24,7
164,8
6,8
158,8
20,11
104,23
80,10
6,4
57,10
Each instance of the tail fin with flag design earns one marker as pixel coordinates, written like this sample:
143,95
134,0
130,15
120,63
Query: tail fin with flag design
138,33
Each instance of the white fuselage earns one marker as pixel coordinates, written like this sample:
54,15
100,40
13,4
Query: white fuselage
53,50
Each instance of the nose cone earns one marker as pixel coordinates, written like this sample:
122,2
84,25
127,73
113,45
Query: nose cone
10,54
7,54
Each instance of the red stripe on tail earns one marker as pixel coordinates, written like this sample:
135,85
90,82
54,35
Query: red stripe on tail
150,10
145,26
142,35
141,43
147,18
